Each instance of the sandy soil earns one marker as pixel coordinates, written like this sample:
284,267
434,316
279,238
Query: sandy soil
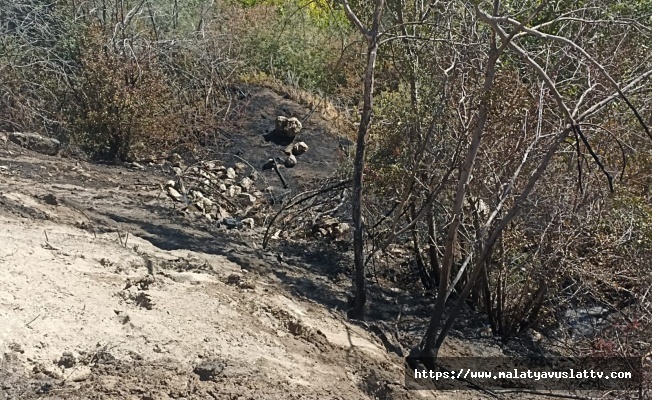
87,312
109,292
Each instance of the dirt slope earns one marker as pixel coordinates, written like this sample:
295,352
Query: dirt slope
175,310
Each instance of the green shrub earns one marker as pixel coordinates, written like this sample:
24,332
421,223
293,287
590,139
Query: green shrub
299,43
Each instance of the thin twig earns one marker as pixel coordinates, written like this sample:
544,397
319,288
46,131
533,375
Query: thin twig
35,318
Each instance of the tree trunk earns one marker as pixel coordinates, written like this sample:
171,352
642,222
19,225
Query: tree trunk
428,346
357,308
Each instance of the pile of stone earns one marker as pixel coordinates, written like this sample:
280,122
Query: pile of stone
288,129
227,195
329,227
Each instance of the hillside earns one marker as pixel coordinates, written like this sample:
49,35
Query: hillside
300,198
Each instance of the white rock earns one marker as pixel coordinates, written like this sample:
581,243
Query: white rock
197,195
230,173
299,148
290,162
174,195
341,229
207,205
79,374
213,165
248,222
234,190
287,127
240,167
246,183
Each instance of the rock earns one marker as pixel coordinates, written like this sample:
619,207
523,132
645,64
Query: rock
35,142
222,187
67,360
79,374
174,195
246,199
204,204
240,167
177,171
234,190
51,199
287,127
290,162
269,164
175,159
213,166
233,279
171,183
50,370
231,223
135,165
321,232
221,213
230,173
3,137
330,227
16,347
341,229
299,148
209,370
239,281
197,195
328,221
246,183
249,223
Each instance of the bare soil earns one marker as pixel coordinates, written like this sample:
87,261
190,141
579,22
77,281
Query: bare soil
107,291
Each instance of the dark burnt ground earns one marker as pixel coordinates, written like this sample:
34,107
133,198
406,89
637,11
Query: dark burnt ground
252,118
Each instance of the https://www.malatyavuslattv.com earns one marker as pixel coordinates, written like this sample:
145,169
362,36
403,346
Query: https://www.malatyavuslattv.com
467,373
535,373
